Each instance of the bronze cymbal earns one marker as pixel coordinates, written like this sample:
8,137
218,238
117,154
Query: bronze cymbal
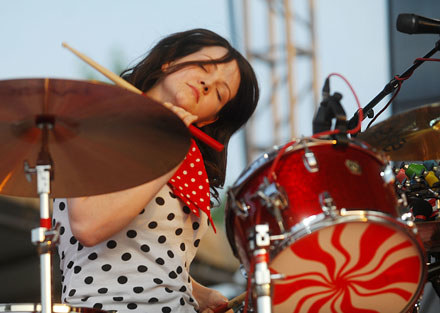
101,138
408,136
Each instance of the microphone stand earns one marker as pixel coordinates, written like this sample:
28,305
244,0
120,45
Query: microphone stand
389,88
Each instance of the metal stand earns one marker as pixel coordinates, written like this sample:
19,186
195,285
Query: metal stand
44,237
262,273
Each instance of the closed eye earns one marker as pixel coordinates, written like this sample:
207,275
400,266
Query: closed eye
203,67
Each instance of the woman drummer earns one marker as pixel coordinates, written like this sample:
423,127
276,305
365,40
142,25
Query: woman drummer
131,250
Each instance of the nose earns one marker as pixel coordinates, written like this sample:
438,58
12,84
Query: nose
205,87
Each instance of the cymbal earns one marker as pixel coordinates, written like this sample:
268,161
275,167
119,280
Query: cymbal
101,138
429,233
408,136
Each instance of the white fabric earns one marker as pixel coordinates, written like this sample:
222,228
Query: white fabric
144,268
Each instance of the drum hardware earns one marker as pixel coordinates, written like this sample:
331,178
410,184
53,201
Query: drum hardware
240,207
262,275
327,205
273,197
388,174
309,159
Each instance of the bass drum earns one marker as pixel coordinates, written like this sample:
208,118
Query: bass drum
338,243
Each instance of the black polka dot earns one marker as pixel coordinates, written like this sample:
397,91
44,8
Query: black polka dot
182,301
111,244
160,201
62,206
118,299
168,290
158,281
162,239
126,256
102,290
160,261
142,212
196,243
166,309
122,279
186,209
62,278
170,254
131,233
179,231
191,299
145,248
70,265
152,225
132,306
64,288
72,292
189,279
172,195
62,230
179,270
97,306
138,289
153,300
172,275
63,255
195,225
77,269
88,280
142,268
73,240
182,289
170,216
106,267
182,246
85,299
93,256
80,246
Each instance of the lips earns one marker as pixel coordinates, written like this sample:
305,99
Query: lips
196,92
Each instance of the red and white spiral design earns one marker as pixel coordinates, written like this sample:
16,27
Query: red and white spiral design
353,267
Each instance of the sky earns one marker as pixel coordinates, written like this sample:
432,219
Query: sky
351,40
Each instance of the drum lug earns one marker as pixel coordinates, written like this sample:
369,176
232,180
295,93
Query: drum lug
310,161
387,174
327,205
274,196
240,207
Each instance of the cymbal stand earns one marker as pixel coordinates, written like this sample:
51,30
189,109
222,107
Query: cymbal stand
262,274
44,237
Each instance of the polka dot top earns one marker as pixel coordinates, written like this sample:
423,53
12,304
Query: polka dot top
143,268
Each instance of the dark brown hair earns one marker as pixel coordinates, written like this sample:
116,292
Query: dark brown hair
231,117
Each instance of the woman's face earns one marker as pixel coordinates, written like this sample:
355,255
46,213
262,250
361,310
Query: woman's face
200,90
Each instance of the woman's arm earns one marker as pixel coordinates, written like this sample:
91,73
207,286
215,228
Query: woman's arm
207,298
96,218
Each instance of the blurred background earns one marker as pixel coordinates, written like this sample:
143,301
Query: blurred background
293,46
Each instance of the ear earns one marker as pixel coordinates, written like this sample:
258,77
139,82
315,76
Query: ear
165,66
204,123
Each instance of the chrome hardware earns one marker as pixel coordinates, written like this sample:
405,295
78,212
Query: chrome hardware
240,207
274,197
262,238
387,174
327,205
309,160
354,167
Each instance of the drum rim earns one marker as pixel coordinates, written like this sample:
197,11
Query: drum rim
321,221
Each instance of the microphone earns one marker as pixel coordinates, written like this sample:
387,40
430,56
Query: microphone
415,24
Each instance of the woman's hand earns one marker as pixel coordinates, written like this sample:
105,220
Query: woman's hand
184,115
208,298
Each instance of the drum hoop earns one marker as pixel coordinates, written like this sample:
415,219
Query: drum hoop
321,221
270,156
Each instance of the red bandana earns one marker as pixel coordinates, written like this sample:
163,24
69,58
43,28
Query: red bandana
190,183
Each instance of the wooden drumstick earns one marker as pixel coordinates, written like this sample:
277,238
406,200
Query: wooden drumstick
124,84
231,304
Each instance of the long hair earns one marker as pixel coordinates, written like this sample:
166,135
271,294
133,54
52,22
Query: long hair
231,117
